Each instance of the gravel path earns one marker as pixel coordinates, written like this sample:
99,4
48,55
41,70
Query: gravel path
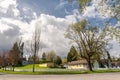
98,76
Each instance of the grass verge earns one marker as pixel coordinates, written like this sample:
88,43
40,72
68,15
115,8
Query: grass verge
58,71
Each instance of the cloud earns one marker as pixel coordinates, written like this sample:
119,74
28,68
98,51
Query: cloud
115,48
8,8
15,23
53,28
52,32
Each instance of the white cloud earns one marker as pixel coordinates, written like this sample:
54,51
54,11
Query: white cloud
9,8
115,48
53,28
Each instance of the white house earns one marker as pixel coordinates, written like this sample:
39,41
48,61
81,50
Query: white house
80,64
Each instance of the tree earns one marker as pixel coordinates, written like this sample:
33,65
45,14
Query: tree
44,57
14,55
4,59
64,61
35,45
82,4
31,57
112,9
20,50
58,60
51,56
109,9
90,40
72,55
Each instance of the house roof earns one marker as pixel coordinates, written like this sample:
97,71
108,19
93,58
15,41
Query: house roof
77,62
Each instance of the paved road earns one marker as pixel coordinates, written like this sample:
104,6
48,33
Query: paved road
103,76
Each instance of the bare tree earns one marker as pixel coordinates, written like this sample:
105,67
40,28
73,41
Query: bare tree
35,44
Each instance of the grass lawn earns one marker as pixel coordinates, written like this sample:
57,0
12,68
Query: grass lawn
58,71
39,70
30,67
48,71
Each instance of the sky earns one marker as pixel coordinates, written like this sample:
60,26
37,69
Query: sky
18,18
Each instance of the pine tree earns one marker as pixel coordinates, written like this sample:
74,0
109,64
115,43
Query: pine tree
72,55
58,60
44,56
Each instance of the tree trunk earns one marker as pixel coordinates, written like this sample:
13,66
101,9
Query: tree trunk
34,63
13,68
33,67
5,68
89,64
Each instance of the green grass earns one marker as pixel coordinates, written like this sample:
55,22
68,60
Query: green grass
106,71
39,70
30,66
58,71
49,71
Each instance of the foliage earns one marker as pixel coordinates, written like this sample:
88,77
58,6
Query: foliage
58,60
51,56
15,55
82,4
33,57
44,57
90,40
64,61
4,61
72,55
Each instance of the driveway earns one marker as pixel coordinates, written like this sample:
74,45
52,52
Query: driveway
98,76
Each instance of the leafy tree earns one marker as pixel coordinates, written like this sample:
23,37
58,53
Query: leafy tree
30,59
51,56
44,56
86,37
82,4
20,46
90,40
4,59
72,55
64,60
14,55
58,60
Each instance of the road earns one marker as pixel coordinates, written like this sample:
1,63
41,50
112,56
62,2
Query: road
98,76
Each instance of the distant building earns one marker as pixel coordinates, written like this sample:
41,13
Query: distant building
46,65
80,64
25,62
116,64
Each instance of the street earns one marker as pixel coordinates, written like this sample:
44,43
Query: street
98,76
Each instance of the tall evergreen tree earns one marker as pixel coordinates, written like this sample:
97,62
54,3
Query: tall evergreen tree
58,60
44,56
14,55
72,55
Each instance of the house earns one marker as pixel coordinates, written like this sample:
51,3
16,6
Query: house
46,65
116,64
25,62
80,64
